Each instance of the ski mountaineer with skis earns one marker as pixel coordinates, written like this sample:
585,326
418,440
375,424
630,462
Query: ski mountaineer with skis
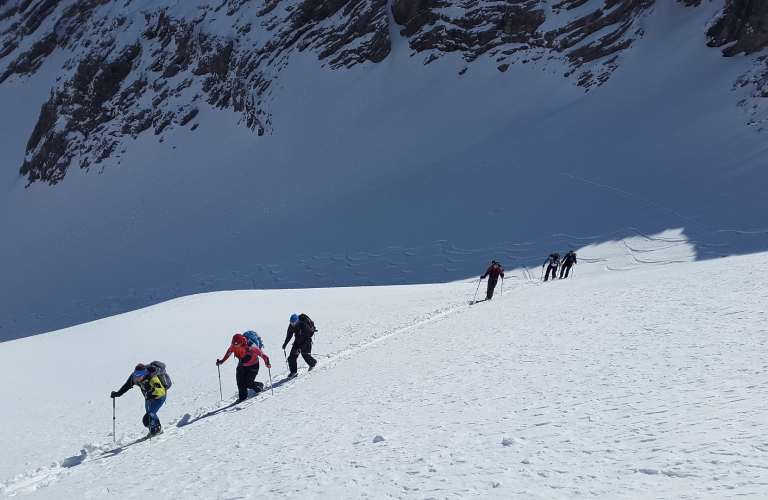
149,378
247,366
554,262
568,261
493,274
301,327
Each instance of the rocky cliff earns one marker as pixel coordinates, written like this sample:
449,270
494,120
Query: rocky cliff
131,67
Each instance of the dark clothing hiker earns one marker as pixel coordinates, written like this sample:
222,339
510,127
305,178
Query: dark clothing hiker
568,261
493,274
301,330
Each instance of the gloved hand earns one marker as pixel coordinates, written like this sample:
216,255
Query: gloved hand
113,395
542,266
284,345
266,361
481,276
218,362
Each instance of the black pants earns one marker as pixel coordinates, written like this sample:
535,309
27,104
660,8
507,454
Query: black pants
554,272
491,286
246,379
566,268
306,353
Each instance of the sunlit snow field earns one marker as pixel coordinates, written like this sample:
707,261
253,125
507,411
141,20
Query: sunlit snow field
385,174
628,380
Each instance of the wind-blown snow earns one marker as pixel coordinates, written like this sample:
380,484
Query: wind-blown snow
647,383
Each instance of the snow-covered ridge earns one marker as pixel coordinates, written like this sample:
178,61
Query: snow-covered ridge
439,262
650,383
137,66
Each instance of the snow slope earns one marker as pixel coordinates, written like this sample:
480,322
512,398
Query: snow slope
387,174
649,382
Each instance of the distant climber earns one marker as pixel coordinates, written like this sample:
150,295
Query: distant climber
568,261
154,383
554,261
248,354
493,274
302,328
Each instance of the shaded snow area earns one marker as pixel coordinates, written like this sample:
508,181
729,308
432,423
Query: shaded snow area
646,383
386,174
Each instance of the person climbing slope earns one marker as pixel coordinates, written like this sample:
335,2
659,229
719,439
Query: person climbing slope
247,366
493,274
568,261
302,328
154,383
553,260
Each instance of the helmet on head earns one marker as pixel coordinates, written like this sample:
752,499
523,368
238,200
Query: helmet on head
294,318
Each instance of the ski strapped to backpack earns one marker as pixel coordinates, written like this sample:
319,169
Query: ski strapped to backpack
157,368
253,338
305,319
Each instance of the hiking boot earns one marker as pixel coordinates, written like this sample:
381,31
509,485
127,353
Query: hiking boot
155,431
311,368
293,375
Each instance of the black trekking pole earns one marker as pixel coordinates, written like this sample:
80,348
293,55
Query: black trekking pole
502,286
114,425
286,360
478,288
150,428
221,393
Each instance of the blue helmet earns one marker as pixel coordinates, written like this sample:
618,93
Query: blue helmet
294,318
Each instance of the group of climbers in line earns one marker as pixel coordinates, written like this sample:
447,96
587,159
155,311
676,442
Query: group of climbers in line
553,262
247,347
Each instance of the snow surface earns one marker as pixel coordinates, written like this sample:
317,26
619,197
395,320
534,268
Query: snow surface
389,173
627,380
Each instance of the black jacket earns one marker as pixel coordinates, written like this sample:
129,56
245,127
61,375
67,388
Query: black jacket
569,259
493,274
303,334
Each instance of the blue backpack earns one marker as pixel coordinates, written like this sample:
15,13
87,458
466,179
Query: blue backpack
253,338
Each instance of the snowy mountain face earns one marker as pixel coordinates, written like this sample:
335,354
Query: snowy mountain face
151,150
133,67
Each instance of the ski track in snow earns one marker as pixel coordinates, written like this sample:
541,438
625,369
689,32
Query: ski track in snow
650,384
93,452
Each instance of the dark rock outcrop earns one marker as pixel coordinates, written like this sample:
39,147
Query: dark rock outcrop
129,71
744,22
122,81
